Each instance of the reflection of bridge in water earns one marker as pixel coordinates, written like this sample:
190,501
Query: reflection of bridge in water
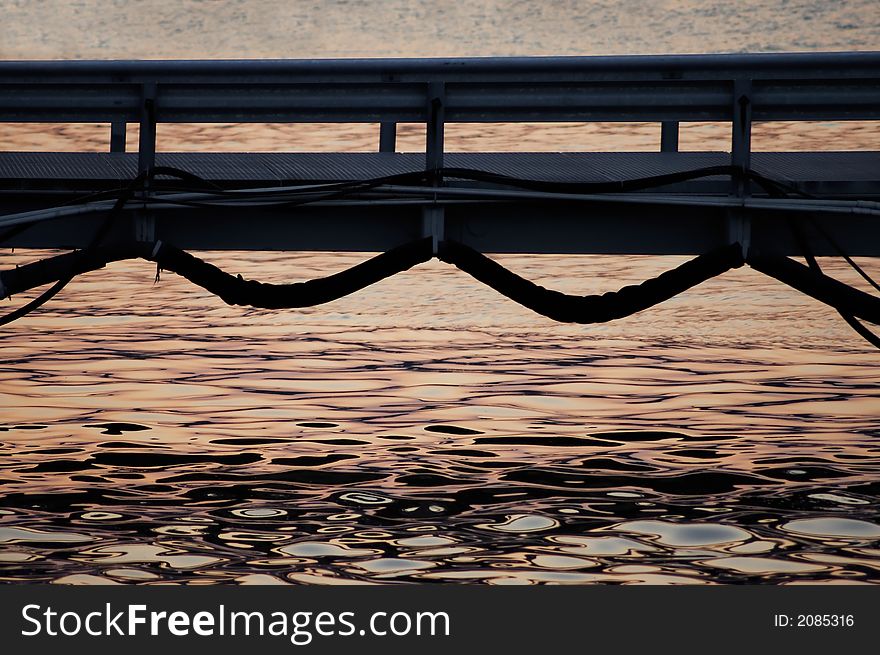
772,204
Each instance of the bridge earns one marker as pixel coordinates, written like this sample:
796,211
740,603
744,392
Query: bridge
727,207
685,216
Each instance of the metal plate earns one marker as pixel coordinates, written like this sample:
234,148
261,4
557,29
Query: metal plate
845,172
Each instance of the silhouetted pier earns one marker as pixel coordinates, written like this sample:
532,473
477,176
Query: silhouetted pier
688,215
731,209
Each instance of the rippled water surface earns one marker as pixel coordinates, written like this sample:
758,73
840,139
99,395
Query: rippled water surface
427,429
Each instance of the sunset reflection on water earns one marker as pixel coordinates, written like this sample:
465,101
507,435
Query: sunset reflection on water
427,429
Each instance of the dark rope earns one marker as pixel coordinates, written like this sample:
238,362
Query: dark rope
823,288
234,290
97,238
849,260
616,186
36,303
784,191
65,266
861,330
597,308
813,263
96,241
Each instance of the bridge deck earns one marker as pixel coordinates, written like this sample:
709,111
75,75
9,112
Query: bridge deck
26,180
838,173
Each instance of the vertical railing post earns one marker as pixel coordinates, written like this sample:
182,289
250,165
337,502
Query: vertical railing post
434,135
669,136
147,137
387,137
741,137
739,223
117,136
432,215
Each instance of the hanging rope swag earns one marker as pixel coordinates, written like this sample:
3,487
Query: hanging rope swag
235,290
850,302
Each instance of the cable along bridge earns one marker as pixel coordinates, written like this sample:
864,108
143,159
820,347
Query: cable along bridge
727,208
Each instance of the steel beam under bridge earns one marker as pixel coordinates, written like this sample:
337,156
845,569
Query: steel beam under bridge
501,227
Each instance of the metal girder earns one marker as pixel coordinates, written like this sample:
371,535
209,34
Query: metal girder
501,227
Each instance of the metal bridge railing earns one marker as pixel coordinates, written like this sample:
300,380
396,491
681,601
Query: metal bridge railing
666,89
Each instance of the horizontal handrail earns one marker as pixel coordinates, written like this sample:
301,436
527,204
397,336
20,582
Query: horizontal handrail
786,86
792,64
740,88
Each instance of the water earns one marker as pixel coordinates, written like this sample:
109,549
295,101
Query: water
391,28
157,434
427,429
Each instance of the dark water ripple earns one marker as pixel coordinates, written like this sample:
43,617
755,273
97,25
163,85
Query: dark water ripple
191,442
479,510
